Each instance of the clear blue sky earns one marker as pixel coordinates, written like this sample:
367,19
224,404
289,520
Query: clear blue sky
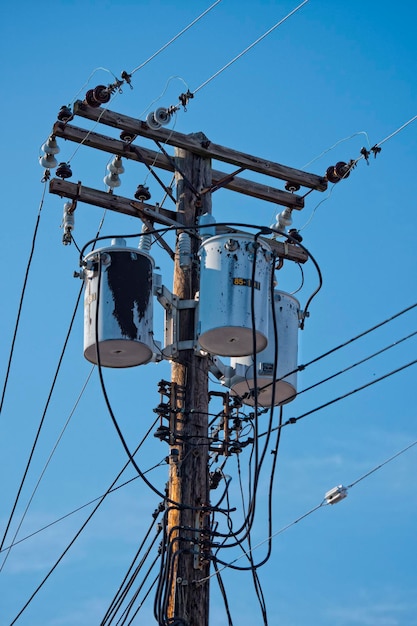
335,74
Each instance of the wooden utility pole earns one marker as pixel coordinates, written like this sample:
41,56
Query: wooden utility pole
188,483
187,546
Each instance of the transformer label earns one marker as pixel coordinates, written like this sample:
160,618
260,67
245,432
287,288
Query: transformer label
247,282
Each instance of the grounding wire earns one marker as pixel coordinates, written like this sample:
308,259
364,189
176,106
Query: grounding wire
45,468
42,419
78,533
268,32
22,296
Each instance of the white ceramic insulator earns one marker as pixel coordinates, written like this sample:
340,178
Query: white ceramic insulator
145,241
184,249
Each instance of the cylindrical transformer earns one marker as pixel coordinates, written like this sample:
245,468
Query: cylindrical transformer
234,293
283,388
118,306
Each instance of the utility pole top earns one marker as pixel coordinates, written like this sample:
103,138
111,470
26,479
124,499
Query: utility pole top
187,548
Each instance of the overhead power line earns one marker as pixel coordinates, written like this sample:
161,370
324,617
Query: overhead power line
22,296
25,473
360,362
83,506
252,45
293,420
165,46
13,542
78,533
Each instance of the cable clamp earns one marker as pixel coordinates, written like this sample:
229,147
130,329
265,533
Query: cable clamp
336,494
376,150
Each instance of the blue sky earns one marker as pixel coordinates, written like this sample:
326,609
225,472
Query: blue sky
334,78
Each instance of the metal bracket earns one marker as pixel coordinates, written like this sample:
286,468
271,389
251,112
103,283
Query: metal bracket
173,305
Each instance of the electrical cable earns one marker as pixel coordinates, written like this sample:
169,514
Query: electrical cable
185,97
350,367
278,532
144,598
126,77
375,149
294,420
22,296
258,458
259,461
270,490
238,541
304,366
45,409
13,542
356,337
395,132
268,32
110,410
360,132
316,508
352,164
77,534
83,506
161,95
332,188
391,458
126,584
123,587
122,620
223,594
184,30
292,293
97,69
42,420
